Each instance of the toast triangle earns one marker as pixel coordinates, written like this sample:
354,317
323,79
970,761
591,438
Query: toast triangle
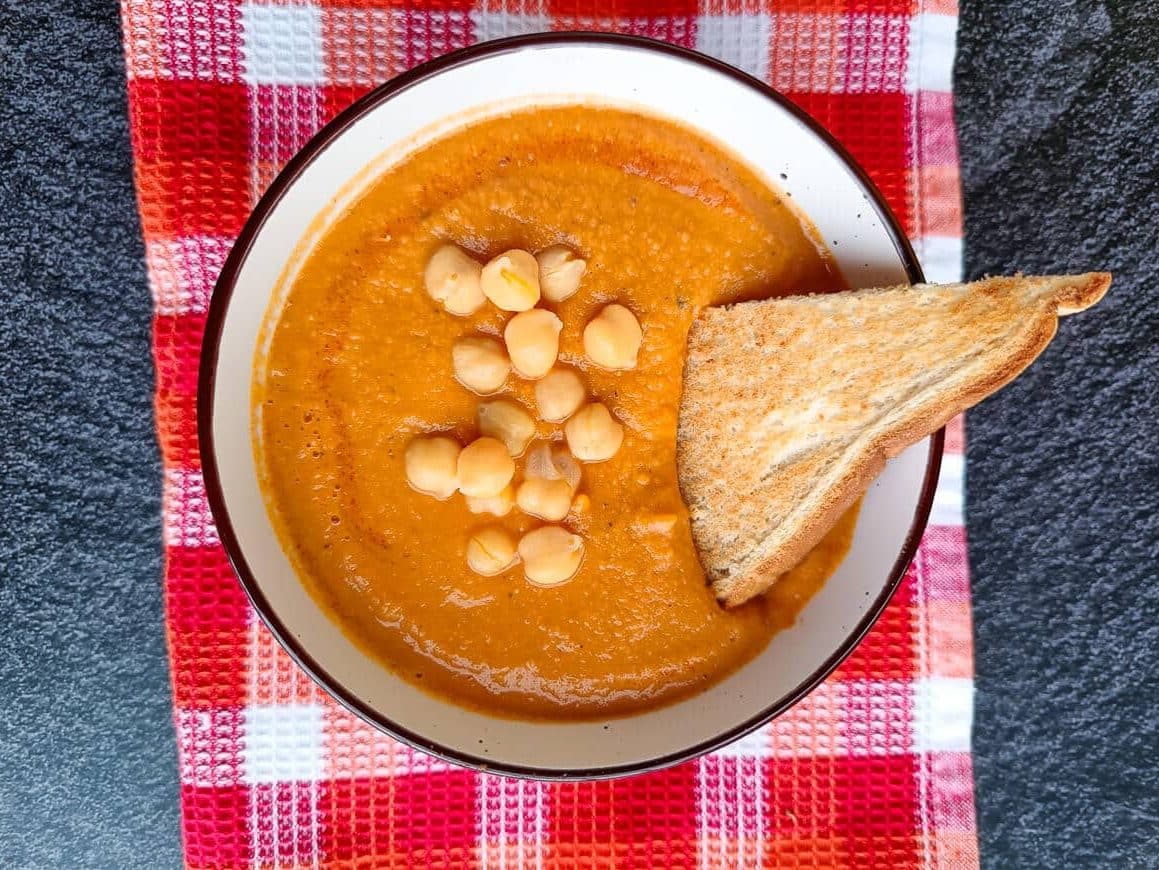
791,406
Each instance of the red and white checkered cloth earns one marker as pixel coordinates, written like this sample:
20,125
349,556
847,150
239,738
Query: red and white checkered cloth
871,770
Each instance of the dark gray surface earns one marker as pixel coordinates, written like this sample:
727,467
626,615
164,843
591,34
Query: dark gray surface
1059,120
1057,107
87,761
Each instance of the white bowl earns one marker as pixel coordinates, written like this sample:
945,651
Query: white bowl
762,128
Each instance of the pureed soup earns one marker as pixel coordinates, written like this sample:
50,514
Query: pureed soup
359,367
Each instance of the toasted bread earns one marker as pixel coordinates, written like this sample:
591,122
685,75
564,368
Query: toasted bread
791,406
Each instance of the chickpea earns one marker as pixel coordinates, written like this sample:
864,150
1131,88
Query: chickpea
533,342
511,281
559,394
508,422
553,463
490,551
546,499
454,279
560,272
432,466
498,505
593,434
480,364
551,555
485,468
612,339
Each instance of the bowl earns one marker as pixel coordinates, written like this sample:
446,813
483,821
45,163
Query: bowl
767,132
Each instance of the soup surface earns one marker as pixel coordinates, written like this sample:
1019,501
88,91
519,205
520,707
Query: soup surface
359,364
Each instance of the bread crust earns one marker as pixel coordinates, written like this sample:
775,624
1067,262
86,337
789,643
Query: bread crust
1041,301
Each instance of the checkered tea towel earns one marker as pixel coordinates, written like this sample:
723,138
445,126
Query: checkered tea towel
871,770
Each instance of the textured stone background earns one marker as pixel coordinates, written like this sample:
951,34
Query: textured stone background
1059,113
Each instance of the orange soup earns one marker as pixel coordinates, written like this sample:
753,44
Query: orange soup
359,365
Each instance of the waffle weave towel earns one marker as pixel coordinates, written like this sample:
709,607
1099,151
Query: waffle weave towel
871,770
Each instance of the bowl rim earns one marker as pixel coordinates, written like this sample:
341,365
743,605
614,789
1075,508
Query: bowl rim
207,376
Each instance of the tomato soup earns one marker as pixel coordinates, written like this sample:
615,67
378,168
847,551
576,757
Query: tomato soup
359,364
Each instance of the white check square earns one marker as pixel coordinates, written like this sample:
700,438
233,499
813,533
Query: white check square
283,744
943,714
282,45
740,40
932,43
495,25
